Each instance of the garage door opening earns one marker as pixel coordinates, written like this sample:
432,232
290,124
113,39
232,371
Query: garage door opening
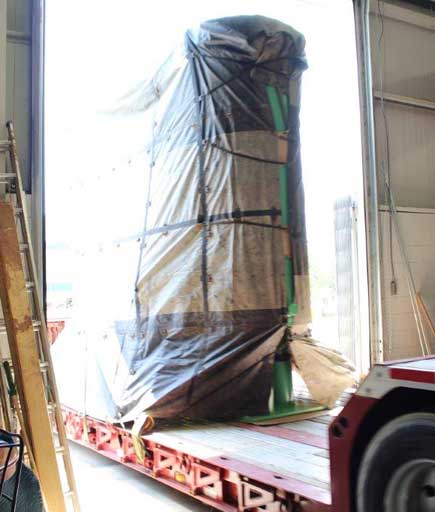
93,187
96,167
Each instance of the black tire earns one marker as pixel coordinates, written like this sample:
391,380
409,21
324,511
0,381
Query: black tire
401,443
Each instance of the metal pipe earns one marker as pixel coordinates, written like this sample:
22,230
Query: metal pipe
362,8
37,143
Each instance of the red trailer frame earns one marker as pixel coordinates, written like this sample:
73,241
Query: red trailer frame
391,390
222,482
231,485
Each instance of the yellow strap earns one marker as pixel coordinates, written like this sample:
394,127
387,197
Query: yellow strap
143,424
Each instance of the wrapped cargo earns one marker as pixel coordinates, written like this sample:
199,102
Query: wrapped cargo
222,269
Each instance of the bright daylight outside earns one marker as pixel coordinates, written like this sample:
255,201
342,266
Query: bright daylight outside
126,343
97,52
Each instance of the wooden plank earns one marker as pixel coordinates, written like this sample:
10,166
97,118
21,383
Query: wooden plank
25,360
290,482
308,426
425,312
297,460
326,420
287,433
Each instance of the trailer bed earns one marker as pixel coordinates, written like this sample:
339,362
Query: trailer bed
295,451
229,466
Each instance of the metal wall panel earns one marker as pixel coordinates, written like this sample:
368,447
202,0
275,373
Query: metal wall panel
403,66
24,104
347,281
401,338
19,79
412,154
15,86
405,53
18,16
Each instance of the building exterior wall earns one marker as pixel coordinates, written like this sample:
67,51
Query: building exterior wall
20,101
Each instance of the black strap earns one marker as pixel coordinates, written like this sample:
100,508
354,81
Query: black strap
238,216
201,172
244,155
248,67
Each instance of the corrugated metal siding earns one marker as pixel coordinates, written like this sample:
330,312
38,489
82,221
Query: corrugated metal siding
19,79
15,86
412,154
403,49
406,53
401,338
346,240
403,54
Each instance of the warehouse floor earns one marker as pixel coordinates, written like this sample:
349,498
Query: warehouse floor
106,485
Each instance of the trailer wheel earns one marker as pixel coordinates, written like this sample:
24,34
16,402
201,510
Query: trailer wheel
397,472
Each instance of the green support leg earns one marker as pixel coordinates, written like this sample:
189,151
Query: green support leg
281,403
282,382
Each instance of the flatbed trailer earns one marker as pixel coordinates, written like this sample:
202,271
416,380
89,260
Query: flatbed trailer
230,466
306,465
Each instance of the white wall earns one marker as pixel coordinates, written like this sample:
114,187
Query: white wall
406,50
404,65
417,227
403,50
412,153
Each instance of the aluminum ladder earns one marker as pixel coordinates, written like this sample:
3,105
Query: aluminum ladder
16,249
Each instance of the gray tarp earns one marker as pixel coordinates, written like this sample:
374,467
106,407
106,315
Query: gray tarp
210,297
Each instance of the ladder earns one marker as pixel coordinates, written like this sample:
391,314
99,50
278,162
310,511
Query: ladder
39,418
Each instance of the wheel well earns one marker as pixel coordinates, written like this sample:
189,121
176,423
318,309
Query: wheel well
396,403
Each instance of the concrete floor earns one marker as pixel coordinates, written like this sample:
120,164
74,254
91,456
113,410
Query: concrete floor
109,486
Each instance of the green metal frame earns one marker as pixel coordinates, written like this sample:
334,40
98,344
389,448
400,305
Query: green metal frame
281,403
279,107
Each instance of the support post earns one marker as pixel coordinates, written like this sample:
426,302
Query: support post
362,26
37,142
282,371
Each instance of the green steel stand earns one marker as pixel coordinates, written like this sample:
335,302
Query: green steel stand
281,403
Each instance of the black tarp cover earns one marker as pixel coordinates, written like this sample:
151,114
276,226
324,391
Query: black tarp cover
210,300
